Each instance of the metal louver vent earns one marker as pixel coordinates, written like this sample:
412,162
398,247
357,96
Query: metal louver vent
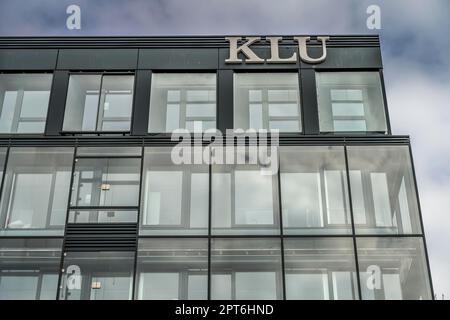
101,237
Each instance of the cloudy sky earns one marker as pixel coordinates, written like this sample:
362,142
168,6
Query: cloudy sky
415,44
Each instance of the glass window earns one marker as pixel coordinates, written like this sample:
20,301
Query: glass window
106,185
393,269
29,268
383,190
246,269
243,199
172,269
35,191
24,102
267,101
97,102
350,101
102,216
106,182
314,195
182,101
97,276
109,151
175,198
320,269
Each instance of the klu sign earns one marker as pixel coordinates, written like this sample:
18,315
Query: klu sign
252,57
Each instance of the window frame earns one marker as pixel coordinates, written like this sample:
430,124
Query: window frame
73,208
19,102
412,194
187,171
11,186
266,118
27,245
85,256
238,229
100,110
183,103
183,270
382,89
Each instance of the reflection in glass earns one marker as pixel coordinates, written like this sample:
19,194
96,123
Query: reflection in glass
244,200
97,276
35,191
267,101
182,100
98,102
107,182
29,268
246,269
102,216
350,101
320,269
314,191
172,269
109,151
383,190
24,102
175,198
393,269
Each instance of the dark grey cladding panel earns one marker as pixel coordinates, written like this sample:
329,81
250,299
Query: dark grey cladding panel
28,59
98,59
262,52
176,58
338,58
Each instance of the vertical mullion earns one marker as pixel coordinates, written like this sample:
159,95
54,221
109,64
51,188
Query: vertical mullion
138,223
51,200
355,248
422,230
37,295
3,178
61,265
209,229
385,102
280,213
299,101
97,120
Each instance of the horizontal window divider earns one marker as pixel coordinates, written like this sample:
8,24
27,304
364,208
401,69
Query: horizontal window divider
31,119
113,248
259,236
389,235
27,237
351,133
109,157
102,72
114,225
103,208
200,118
317,235
94,132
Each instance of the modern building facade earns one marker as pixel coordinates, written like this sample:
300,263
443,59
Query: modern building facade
92,205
